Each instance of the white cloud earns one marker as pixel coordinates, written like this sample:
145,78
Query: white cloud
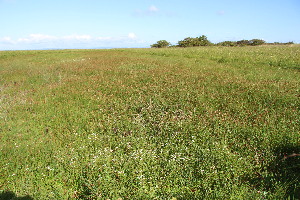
104,38
6,40
221,12
37,38
131,35
42,41
77,37
153,9
150,11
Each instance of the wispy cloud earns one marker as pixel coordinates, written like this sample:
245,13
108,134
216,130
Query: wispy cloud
150,11
153,9
36,38
77,37
40,41
132,36
221,12
6,40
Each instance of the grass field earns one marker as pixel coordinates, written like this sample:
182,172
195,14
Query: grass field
189,123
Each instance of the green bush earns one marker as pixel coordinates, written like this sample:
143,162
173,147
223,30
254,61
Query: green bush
255,42
228,43
161,44
193,42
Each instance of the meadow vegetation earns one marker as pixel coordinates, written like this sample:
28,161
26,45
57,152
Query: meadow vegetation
203,41
176,123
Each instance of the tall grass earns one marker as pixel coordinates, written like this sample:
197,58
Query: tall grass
194,123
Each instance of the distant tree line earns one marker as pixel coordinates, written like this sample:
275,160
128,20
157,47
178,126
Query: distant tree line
203,41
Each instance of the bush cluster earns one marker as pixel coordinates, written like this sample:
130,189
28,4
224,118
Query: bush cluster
253,42
203,41
194,42
187,42
161,44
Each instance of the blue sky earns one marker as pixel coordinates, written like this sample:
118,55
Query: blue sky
41,24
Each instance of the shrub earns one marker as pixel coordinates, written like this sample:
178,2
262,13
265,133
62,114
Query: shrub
243,42
161,44
194,42
227,43
255,42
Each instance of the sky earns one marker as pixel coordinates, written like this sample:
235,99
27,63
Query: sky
64,24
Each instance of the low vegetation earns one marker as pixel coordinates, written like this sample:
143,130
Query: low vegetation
161,44
174,123
203,41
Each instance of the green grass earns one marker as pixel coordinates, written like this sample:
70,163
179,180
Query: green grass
191,123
